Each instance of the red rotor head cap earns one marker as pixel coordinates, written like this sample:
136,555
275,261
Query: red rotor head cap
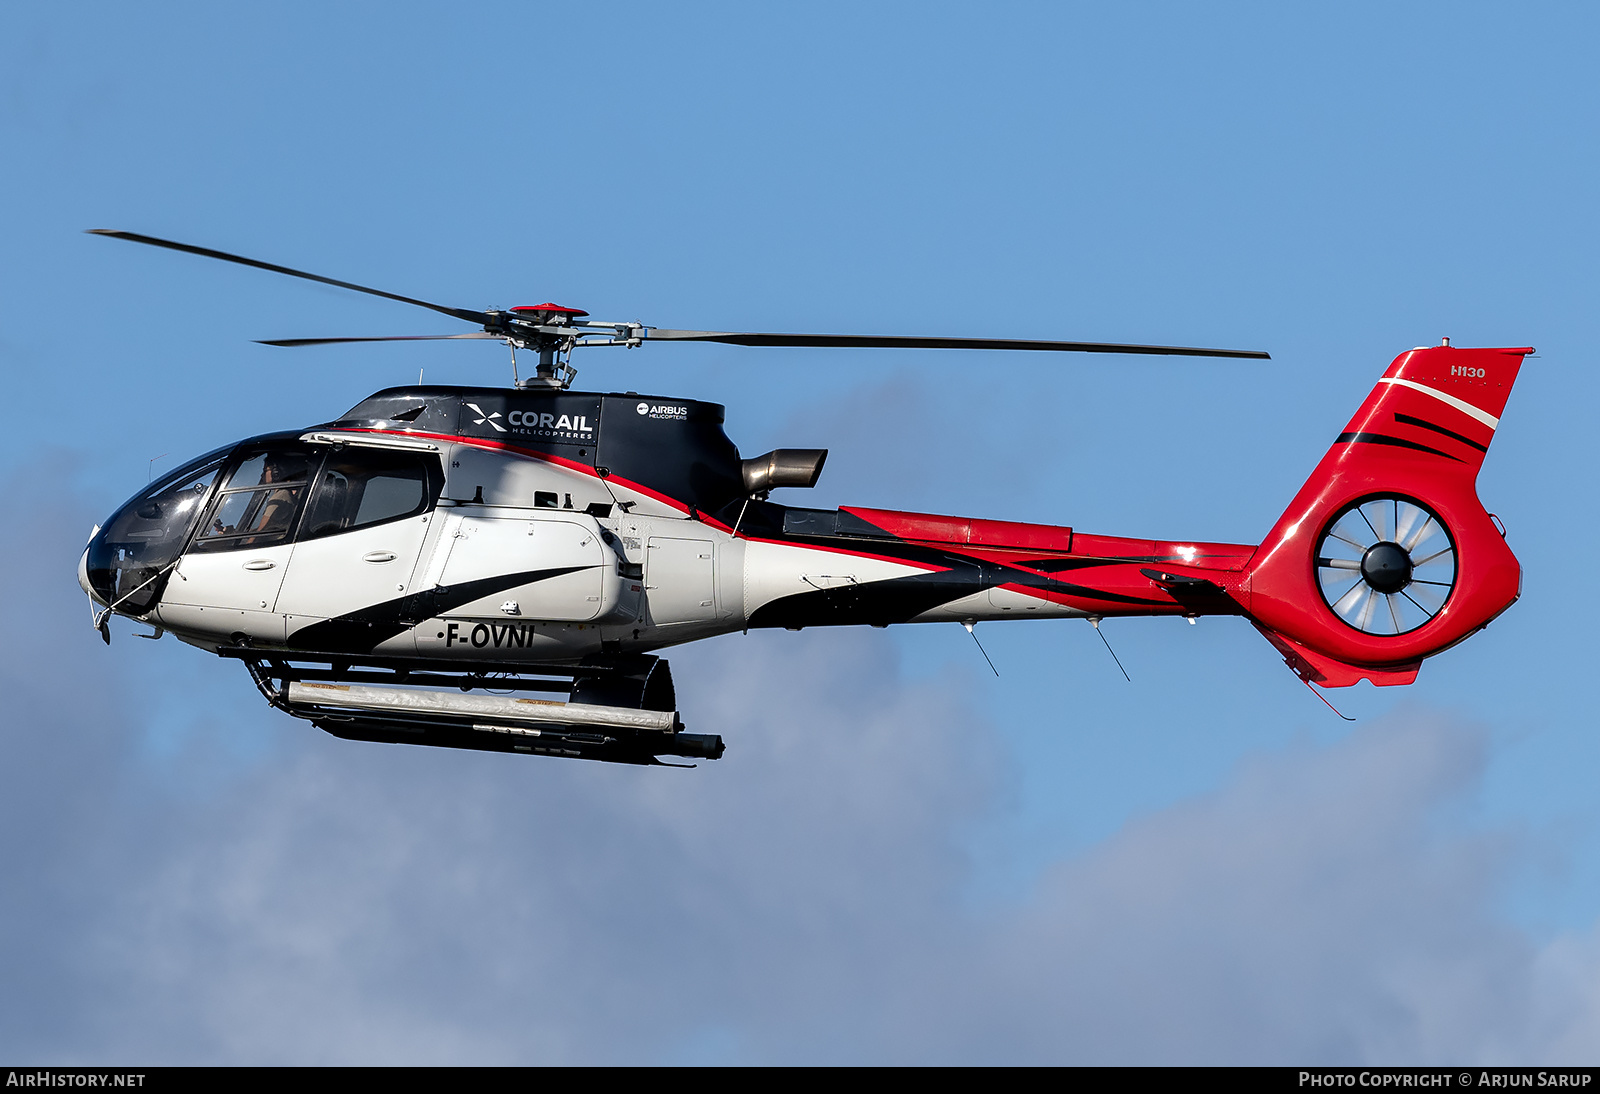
554,309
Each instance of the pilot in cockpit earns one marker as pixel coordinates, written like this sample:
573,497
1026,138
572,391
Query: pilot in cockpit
273,509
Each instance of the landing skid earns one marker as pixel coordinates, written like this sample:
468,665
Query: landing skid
619,710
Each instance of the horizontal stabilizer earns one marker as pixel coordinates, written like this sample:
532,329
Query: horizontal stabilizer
1181,583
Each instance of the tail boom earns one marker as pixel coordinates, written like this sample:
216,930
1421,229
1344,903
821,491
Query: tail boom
1384,557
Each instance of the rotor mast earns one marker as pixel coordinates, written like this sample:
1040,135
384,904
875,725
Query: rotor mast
552,331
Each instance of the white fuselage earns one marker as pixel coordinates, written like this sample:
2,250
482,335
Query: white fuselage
557,583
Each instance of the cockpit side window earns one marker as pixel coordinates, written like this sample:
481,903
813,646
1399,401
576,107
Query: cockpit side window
259,505
359,487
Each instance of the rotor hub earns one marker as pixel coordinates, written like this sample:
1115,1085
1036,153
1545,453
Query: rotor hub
545,312
1387,567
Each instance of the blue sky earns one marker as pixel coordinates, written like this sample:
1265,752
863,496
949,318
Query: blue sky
904,859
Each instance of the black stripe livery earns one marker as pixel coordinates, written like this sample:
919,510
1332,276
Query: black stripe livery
360,631
1409,420
1382,438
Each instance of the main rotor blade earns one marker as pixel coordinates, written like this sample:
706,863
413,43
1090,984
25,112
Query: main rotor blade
887,341
388,338
205,252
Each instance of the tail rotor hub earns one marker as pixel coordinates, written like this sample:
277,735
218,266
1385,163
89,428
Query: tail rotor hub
1386,567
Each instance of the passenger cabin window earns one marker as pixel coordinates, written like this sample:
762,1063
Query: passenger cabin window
259,505
361,487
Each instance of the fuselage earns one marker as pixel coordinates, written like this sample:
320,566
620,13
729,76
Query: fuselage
549,526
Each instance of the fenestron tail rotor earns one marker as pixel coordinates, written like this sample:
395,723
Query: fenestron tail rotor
1386,565
553,331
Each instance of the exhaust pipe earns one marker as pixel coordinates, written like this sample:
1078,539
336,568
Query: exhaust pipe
783,467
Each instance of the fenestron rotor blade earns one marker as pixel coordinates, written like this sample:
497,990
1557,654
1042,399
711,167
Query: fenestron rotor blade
388,338
888,341
205,252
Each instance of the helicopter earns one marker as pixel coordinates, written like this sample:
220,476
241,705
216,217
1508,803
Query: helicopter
495,568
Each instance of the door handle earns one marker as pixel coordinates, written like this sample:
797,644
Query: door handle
379,556
260,564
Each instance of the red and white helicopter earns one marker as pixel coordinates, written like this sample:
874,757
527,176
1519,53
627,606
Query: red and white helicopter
379,573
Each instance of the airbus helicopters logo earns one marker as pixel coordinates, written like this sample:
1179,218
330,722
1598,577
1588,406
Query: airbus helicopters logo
663,412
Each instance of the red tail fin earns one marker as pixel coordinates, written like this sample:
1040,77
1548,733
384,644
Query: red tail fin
1386,556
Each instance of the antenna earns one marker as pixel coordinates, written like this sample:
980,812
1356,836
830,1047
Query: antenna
740,521
1094,621
972,630
1324,699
